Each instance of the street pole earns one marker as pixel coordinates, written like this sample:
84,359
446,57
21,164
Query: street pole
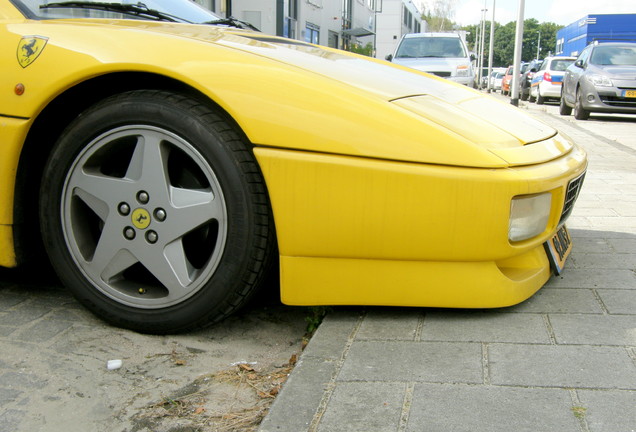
539,45
492,43
476,49
514,91
481,45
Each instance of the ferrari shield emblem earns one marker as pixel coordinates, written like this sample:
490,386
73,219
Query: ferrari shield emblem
29,48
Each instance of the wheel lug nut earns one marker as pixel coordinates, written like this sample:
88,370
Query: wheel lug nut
152,237
129,233
160,214
143,197
124,209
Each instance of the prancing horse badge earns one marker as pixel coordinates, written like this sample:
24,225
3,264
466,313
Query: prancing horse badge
29,49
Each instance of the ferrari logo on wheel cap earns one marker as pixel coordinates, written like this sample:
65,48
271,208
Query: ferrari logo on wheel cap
30,48
141,218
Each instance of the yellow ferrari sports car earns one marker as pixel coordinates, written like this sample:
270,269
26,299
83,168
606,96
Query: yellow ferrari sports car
166,159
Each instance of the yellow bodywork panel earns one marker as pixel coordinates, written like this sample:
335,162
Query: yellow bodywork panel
7,253
361,231
12,134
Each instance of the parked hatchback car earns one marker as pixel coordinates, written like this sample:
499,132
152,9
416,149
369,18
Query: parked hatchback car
441,54
526,78
495,80
547,81
506,81
602,79
165,183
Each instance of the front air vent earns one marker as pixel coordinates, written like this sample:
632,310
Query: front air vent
574,187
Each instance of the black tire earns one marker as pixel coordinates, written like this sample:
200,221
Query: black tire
580,113
540,99
564,108
157,158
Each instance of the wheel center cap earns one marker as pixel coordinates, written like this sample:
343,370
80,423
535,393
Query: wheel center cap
140,218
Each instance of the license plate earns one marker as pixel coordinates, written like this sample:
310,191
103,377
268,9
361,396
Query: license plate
559,248
629,93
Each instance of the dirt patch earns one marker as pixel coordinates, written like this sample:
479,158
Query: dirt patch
231,400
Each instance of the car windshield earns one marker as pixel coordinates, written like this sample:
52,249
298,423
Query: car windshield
560,65
163,10
446,47
614,55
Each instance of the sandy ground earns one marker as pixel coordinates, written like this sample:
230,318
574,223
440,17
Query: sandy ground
221,379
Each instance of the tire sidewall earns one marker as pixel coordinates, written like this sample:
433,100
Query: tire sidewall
144,109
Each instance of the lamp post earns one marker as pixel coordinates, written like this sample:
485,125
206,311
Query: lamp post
480,62
517,60
492,43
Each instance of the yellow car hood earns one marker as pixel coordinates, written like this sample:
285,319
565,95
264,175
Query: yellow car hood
478,117
498,127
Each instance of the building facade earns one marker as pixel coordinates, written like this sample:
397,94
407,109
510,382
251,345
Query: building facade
602,28
335,23
397,18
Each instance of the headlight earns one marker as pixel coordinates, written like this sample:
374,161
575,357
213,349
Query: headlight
600,80
463,71
529,216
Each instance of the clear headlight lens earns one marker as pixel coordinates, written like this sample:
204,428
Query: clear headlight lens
600,80
463,70
529,216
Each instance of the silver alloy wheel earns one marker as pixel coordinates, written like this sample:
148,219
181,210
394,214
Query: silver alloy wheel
144,217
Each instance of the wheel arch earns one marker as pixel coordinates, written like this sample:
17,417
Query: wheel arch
51,122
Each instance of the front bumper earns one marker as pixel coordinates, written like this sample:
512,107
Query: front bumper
362,231
468,81
607,99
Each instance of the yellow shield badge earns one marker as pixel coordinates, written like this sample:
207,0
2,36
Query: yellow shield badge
29,49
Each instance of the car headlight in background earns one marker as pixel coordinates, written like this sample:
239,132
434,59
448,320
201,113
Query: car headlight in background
463,70
529,216
599,80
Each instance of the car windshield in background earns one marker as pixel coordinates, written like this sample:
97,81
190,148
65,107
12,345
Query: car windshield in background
560,65
162,10
612,55
441,47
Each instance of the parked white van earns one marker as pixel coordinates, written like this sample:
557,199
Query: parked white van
441,54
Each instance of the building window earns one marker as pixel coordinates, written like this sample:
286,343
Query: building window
293,9
312,33
333,39
408,17
209,4
289,28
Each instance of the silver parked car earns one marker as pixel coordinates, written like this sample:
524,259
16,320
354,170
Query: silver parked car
441,54
602,79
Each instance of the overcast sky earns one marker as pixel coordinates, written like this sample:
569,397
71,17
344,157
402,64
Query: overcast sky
562,12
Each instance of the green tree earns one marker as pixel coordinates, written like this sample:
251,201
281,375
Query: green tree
440,17
366,50
504,43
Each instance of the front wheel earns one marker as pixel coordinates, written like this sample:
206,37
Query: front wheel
580,113
154,213
564,108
